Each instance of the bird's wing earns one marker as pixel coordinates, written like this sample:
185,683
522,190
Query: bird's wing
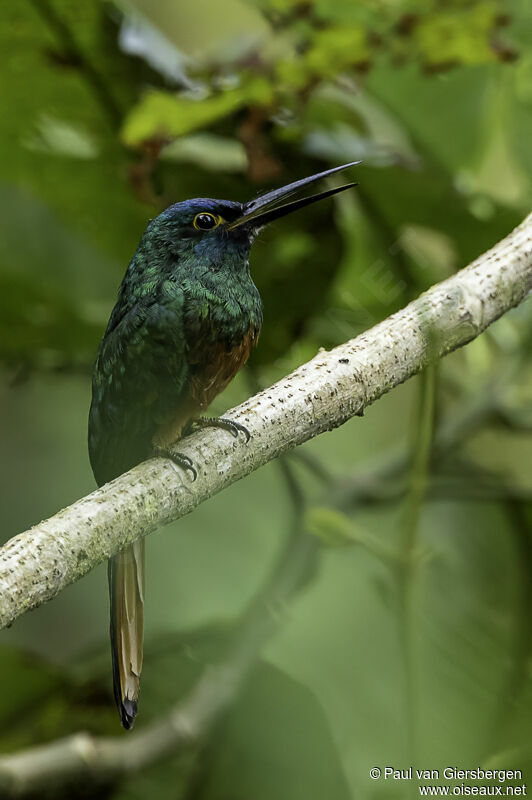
139,376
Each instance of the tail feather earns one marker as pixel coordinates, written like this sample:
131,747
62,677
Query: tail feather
126,593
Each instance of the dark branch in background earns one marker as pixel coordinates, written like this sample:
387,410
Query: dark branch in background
302,550
72,49
519,515
408,563
86,760
387,235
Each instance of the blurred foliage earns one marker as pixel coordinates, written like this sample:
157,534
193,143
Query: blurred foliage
293,739
418,619
288,91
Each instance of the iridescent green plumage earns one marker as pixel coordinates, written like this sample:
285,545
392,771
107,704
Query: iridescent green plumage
183,294
186,318
181,289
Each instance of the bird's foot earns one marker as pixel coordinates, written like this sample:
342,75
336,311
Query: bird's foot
179,459
230,425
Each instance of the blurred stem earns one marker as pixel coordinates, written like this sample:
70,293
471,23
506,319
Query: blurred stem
418,481
292,570
519,515
423,433
314,466
295,491
300,546
68,41
391,239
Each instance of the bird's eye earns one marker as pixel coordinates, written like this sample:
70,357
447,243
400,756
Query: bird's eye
206,222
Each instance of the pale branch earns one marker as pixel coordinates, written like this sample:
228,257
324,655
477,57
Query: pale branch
319,396
384,479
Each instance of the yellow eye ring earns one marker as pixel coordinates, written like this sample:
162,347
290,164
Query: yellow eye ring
206,221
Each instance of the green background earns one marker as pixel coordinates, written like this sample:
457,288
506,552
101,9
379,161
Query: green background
227,100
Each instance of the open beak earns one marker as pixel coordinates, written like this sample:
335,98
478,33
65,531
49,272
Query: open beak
270,206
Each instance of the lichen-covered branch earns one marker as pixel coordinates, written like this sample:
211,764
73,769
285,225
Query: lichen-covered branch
318,396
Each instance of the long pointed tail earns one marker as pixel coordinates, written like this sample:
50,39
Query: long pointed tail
126,594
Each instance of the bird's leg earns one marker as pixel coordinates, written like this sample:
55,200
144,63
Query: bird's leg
219,422
179,459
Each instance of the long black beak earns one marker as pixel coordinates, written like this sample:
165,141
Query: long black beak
270,206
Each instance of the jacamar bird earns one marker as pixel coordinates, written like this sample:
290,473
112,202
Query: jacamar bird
186,319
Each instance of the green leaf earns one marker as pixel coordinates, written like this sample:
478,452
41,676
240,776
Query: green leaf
61,138
273,742
204,30
276,743
208,151
44,702
165,115
332,527
336,529
459,35
330,52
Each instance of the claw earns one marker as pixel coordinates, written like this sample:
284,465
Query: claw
238,428
179,459
234,428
